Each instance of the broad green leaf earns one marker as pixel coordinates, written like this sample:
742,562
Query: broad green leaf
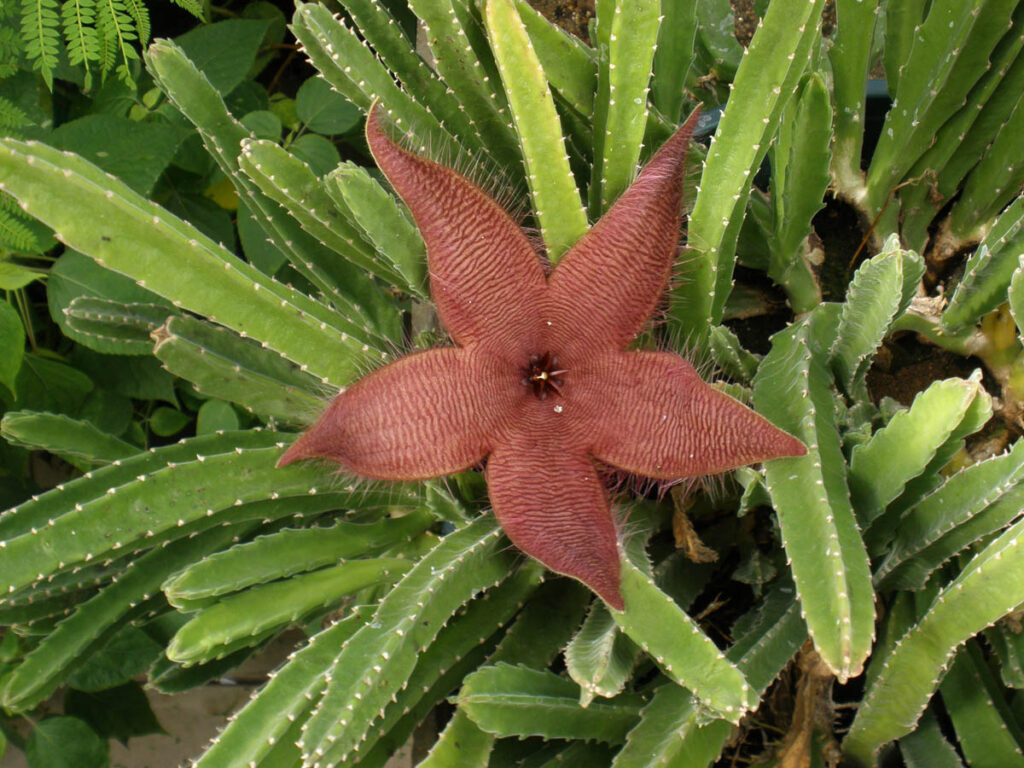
13,276
216,416
324,110
133,376
317,152
165,421
125,655
12,346
263,124
45,384
224,51
65,742
136,152
115,713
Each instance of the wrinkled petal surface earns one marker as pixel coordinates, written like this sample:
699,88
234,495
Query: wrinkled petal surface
485,277
428,414
608,284
551,502
659,419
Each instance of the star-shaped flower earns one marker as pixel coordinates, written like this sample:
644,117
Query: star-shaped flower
542,385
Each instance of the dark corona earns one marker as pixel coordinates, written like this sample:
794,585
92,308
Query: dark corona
543,375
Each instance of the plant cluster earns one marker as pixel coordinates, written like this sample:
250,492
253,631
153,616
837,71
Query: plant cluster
861,599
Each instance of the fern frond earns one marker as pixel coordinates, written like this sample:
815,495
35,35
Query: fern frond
192,6
11,116
116,31
40,35
14,234
79,17
10,49
140,15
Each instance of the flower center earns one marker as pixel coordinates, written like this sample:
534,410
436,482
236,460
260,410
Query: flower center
543,375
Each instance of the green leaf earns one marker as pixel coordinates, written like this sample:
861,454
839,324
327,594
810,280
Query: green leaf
926,747
519,701
115,713
166,421
568,64
673,57
224,51
99,617
359,302
48,385
324,110
880,291
799,162
251,733
986,728
352,68
13,277
136,152
12,346
65,742
317,152
142,378
980,499
125,655
216,415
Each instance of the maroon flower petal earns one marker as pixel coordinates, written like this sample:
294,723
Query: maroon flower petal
485,277
425,415
659,419
549,499
609,283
